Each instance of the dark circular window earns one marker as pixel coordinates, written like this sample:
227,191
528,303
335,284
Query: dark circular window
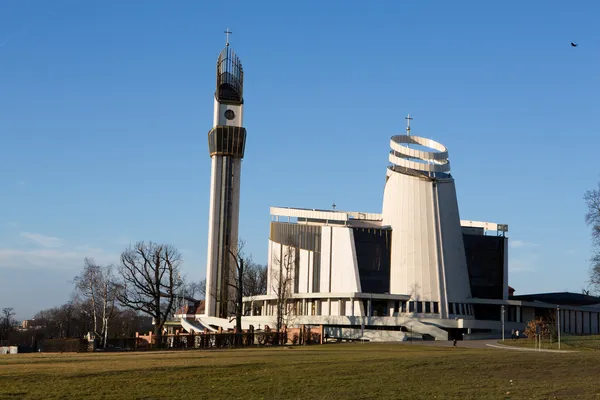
229,114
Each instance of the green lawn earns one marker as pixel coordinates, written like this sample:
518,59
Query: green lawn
579,343
338,371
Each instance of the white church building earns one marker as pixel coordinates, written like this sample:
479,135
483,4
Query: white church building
404,267
415,267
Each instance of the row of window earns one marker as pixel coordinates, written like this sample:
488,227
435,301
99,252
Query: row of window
432,307
420,307
460,309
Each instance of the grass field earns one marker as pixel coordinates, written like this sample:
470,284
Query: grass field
340,371
579,343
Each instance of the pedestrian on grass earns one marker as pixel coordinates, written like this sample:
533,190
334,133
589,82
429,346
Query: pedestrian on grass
512,334
517,334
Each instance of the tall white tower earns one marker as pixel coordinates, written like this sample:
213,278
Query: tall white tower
226,142
419,203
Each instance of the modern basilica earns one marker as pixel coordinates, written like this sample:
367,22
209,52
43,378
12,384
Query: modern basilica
414,268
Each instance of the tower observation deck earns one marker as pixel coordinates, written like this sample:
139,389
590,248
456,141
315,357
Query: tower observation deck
226,144
230,77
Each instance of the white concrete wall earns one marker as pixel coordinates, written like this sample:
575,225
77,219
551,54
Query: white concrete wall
219,114
455,261
309,278
344,272
428,257
408,208
275,254
326,242
335,309
213,240
304,271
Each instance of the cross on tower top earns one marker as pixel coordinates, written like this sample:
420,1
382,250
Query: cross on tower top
408,119
227,33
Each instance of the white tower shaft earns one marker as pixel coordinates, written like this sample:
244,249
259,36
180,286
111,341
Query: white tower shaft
226,141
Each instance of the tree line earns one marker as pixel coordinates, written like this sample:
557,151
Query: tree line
141,292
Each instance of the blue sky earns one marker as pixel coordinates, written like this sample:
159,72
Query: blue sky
105,106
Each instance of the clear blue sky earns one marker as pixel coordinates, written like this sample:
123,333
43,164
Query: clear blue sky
105,107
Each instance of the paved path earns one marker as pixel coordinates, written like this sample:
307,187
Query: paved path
504,347
479,344
470,344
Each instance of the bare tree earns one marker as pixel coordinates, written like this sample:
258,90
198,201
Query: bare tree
202,289
98,285
149,282
592,218
282,280
241,261
7,315
255,280
66,313
196,290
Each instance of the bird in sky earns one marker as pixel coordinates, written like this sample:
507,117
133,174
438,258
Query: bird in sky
574,44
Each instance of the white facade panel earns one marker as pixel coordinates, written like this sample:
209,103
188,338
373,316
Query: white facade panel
344,272
269,265
326,243
309,275
219,114
303,271
213,229
458,288
275,255
408,209
335,309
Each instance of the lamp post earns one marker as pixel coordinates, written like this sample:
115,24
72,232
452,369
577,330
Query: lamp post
502,318
558,324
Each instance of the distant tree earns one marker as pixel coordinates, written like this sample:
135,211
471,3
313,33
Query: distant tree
98,284
201,288
7,321
196,290
282,280
592,218
66,313
149,283
255,280
240,263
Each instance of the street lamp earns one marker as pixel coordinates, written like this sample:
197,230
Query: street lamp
558,324
502,315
